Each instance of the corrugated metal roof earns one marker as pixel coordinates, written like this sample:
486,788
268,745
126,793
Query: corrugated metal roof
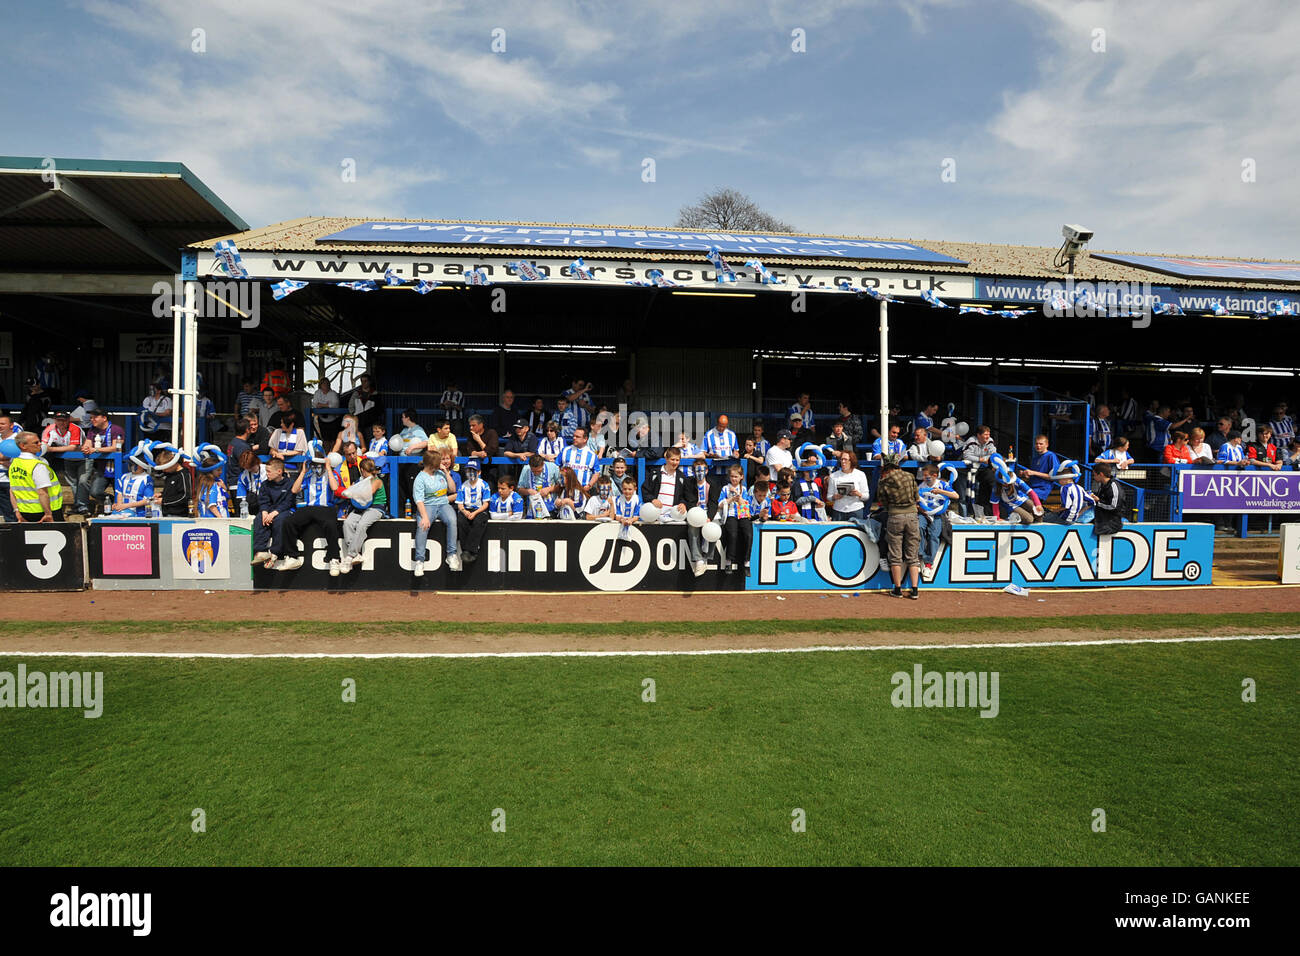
985,259
164,201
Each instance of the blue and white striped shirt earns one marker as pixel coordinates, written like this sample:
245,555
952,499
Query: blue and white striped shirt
1101,432
723,445
797,409
1015,495
215,497
581,460
506,509
453,414
728,507
932,504
1230,452
624,508
761,448
316,489
896,447
250,482
571,419
554,447
1157,430
136,488
472,494
1283,431
1073,501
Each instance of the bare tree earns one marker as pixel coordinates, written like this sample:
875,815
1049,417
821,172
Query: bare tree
340,362
729,210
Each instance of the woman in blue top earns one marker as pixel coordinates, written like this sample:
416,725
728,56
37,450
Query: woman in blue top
433,491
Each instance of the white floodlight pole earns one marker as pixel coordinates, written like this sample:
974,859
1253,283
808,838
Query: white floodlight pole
884,376
178,348
191,398
185,342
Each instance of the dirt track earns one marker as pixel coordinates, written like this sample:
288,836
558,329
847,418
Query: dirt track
250,615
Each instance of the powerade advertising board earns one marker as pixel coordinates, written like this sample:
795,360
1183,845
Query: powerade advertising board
808,557
597,237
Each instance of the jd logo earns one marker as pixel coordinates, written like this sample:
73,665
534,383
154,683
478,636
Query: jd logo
612,563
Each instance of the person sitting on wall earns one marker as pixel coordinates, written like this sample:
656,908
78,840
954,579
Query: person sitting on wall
276,499
1076,502
507,505
367,499
538,486
600,506
1016,501
472,502
433,490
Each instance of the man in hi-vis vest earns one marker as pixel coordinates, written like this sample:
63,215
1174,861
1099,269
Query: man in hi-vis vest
36,494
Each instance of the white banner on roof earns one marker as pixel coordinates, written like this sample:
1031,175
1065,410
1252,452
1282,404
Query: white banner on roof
692,276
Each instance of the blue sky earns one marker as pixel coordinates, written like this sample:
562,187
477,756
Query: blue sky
1143,141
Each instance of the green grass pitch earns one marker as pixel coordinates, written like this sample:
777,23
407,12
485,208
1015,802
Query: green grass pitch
1156,735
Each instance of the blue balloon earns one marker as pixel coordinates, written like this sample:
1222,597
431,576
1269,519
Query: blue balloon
9,449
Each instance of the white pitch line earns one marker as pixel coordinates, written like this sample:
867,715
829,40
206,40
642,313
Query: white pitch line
707,652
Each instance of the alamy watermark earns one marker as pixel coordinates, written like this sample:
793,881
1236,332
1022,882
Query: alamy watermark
923,688
128,910
222,299
78,690
637,429
1091,300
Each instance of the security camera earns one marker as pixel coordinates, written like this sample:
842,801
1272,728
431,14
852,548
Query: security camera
1076,233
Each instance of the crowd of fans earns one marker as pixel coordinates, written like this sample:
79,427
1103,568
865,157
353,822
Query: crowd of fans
569,459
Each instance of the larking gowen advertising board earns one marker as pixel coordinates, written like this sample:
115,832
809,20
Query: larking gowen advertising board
1239,492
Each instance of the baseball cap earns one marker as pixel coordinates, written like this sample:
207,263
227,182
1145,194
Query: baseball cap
471,465
796,417
890,459
59,415
784,433
521,424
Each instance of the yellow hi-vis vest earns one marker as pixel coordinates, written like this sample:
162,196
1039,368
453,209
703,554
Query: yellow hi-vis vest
23,486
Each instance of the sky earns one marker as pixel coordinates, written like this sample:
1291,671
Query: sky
1165,127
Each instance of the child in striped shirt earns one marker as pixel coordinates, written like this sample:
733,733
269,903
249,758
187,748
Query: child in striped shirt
508,505
600,506
627,507
378,449
736,516
472,502
1117,454
552,445
252,474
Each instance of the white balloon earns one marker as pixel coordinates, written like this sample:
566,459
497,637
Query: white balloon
396,443
936,448
649,514
697,517
335,460
711,532
963,429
